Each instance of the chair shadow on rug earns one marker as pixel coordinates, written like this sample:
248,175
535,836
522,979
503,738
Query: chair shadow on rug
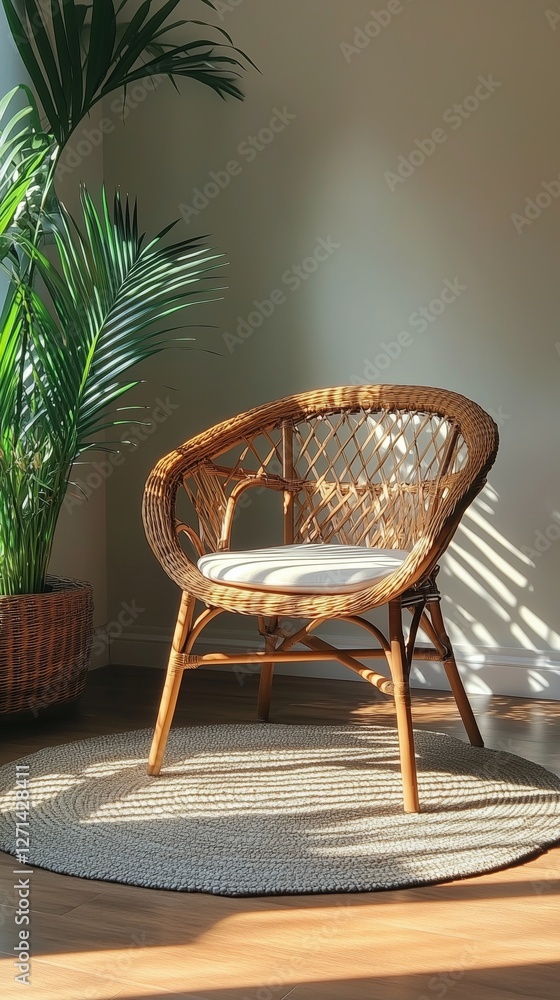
374,481
244,810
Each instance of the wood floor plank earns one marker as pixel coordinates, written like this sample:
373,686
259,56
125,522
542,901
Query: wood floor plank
64,900
242,993
47,982
415,987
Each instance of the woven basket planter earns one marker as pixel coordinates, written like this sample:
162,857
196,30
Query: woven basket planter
45,645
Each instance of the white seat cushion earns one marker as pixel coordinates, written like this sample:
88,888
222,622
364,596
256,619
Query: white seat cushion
303,569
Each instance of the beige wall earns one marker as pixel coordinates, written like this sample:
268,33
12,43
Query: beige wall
328,174
80,547
11,72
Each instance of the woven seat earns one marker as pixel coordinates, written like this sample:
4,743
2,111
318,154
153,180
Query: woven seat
374,482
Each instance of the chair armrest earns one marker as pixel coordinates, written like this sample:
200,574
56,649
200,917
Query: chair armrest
162,528
182,528
262,482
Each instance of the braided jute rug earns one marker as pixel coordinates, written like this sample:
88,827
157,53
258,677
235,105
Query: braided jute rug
243,810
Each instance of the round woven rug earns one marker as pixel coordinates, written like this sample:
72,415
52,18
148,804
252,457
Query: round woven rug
242,810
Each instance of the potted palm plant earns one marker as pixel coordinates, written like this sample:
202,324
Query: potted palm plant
80,312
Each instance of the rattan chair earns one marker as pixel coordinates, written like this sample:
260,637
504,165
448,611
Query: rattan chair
379,467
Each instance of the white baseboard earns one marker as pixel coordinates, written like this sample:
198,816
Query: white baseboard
522,673
101,648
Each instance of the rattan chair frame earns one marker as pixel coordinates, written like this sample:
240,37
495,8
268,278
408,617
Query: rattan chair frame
419,509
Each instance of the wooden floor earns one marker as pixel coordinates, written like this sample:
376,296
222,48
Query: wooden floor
486,938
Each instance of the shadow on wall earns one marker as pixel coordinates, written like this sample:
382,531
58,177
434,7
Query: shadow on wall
492,582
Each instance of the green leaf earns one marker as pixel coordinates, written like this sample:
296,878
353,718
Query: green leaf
46,55
21,33
102,37
73,71
22,156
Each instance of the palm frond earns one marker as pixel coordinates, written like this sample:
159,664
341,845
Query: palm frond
23,152
70,77
109,296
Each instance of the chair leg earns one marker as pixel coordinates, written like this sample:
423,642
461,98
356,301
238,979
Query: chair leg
454,677
265,683
399,673
171,688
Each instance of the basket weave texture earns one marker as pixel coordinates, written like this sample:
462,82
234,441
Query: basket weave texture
45,646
